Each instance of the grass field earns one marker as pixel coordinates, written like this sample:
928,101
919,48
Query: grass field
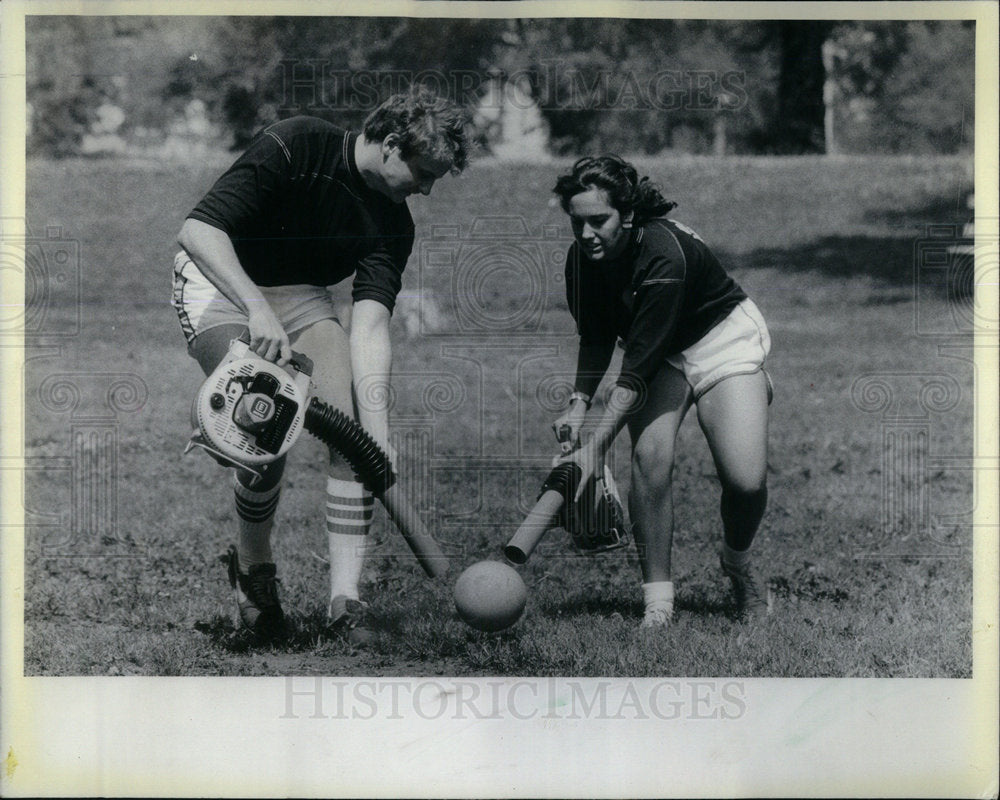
866,543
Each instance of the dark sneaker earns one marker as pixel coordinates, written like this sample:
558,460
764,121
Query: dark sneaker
256,592
348,620
751,602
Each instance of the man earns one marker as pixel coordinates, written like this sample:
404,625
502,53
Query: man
307,206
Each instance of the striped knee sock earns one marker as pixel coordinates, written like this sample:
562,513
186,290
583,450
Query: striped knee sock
256,513
348,515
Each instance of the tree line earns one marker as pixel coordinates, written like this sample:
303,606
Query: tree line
629,85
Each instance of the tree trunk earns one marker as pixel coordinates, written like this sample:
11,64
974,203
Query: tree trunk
801,111
719,145
829,98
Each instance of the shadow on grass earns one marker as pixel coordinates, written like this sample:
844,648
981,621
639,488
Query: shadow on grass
899,260
942,211
302,634
584,603
889,260
225,636
697,601
806,584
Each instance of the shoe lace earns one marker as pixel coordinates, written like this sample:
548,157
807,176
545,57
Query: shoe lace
748,589
262,589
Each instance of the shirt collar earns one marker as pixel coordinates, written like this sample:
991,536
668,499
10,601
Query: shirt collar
634,240
627,258
352,164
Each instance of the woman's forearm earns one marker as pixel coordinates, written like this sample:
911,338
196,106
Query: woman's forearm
615,414
591,363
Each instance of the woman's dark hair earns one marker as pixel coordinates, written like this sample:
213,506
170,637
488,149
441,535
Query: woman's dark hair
626,192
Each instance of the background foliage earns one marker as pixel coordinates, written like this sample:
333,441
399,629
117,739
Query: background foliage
884,87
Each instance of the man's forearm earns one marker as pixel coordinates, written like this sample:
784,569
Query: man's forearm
371,363
212,251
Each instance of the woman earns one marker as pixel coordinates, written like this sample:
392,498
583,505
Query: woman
691,336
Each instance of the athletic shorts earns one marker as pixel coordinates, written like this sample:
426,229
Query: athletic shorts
201,306
736,346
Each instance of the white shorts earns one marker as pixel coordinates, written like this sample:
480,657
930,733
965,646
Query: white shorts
736,346
201,306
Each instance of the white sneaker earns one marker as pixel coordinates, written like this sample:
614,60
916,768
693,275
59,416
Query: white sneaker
656,617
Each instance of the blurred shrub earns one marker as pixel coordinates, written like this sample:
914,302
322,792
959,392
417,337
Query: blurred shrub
632,86
904,87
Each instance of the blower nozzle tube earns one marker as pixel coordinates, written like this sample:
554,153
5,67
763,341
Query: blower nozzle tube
557,493
357,447
346,437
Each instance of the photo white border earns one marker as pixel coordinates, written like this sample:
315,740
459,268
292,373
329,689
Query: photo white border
228,736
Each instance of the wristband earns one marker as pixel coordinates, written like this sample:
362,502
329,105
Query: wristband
580,396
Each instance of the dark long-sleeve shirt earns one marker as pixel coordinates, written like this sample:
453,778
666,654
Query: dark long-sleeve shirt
298,212
660,297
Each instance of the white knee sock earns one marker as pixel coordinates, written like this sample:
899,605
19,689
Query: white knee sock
348,516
